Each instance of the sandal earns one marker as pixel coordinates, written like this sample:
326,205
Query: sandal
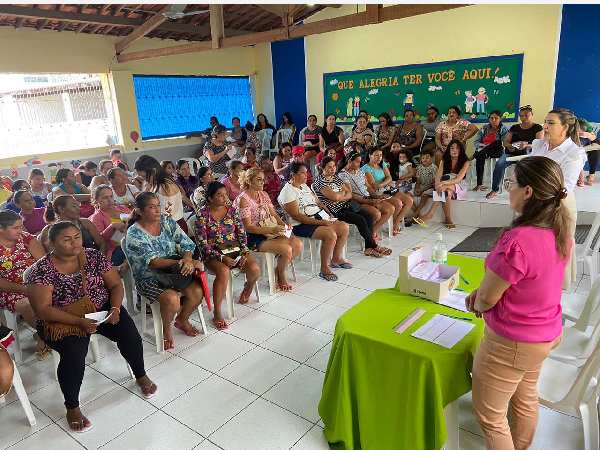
384,251
590,180
492,194
220,324
138,305
397,231
82,422
580,183
419,221
480,188
193,332
148,389
43,354
328,276
372,253
344,265
168,344
242,300
450,226
286,287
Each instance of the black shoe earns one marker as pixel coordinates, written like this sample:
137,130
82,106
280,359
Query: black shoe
408,223
6,336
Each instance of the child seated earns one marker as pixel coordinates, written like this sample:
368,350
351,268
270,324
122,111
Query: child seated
406,171
426,172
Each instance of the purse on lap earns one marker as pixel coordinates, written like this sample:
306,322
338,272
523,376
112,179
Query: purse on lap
268,222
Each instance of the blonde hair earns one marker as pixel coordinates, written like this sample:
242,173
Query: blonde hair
247,176
567,117
545,208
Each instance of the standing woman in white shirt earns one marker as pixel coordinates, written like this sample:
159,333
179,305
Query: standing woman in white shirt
561,143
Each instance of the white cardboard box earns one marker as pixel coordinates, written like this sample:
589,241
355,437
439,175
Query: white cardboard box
428,289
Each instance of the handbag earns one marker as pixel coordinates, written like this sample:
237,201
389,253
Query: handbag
172,278
86,210
352,206
55,331
269,222
386,190
230,249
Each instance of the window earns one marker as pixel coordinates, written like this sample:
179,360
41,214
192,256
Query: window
43,113
171,106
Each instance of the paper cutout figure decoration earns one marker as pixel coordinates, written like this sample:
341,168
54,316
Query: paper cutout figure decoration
31,161
53,168
134,135
482,99
408,100
469,102
356,106
13,171
349,106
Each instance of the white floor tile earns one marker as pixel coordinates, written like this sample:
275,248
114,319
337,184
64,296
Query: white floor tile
360,261
470,441
257,326
376,281
299,392
320,289
157,432
172,379
111,415
390,268
14,425
320,359
349,276
37,374
209,405
298,342
290,306
348,297
50,438
216,351
258,370
207,445
263,426
322,318
313,440
556,430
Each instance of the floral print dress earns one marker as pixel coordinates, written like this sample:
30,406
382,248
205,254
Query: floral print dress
13,263
210,232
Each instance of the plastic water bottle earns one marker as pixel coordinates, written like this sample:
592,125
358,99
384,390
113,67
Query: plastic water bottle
440,251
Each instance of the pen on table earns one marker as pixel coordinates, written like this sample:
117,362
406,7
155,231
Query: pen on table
464,279
456,317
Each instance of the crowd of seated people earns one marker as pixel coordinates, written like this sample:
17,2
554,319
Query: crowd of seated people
170,218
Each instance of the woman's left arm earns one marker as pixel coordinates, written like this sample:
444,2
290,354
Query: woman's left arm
115,291
471,131
489,292
96,237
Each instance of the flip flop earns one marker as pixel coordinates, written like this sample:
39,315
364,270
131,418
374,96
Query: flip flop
328,276
344,265
450,226
372,253
85,429
168,344
492,194
43,354
191,333
418,221
149,390
220,324
283,287
384,251
242,300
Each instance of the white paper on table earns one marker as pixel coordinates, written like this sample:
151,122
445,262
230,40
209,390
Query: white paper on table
99,316
444,331
230,139
455,300
439,198
231,153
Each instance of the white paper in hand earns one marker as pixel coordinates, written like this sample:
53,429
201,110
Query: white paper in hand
324,216
230,139
307,144
99,316
231,153
439,198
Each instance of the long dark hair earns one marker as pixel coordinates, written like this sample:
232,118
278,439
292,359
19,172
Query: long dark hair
156,176
388,119
447,159
178,166
288,116
499,114
51,213
201,173
17,186
62,174
211,189
141,201
8,218
545,208
352,154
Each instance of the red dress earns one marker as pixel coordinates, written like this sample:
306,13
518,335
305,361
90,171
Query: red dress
13,263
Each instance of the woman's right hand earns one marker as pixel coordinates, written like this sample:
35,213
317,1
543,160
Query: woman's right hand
228,261
118,226
326,223
88,325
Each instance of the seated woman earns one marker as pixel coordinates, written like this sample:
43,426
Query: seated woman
169,167
429,127
386,132
250,161
331,136
273,183
363,136
488,144
588,139
253,139
232,181
301,204
84,280
449,182
22,185
263,123
152,239
158,181
67,185
186,180
410,133
66,208
111,221
379,178
452,128
124,193
378,205
309,138
18,251
33,218
39,187
87,174
337,197
218,222
238,134
284,158
102,178
255,208
205,176
216,149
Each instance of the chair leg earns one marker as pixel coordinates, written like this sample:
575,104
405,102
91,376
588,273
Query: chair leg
229,296
390,224
128,283
270,258
94,347
158,327
130,371
293,271
55,360
20,390
11,322
201,317
144,305
451,417
313,256
589,419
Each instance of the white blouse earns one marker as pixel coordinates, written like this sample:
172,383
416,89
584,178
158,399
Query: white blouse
568,155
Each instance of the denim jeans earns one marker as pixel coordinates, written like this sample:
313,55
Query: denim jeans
499,169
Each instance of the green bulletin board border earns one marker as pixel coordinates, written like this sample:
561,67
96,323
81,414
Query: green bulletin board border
412,66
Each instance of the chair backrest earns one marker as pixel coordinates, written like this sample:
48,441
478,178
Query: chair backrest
3,206
591,309
194,165
265,138
283,135
124,248
26,273
587,244
578,390
50,196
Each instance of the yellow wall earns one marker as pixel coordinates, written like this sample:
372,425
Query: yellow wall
461,33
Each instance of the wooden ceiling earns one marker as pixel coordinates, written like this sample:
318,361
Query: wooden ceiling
122,20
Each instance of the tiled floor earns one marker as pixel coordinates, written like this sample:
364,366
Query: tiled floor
254,387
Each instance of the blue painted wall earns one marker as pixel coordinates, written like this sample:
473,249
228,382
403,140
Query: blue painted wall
289,81
578,72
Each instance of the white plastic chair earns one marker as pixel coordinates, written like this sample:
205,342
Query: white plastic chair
574,391
269,259
283,135
265,138
194,165
581,309
314,246
3,206
229,296
586,252
576,346
10,319
22,395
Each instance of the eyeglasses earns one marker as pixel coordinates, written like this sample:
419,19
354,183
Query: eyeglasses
260,180
508,184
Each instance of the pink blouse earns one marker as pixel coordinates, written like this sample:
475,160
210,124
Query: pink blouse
256,211
232,191
102,221
529,310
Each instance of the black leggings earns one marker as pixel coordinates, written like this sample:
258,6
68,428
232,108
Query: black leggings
494,150
363,221
593,159
73,350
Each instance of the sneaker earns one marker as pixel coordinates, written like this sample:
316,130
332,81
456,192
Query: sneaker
6,336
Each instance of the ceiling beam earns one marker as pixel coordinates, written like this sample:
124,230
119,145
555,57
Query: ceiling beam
80,28
141,31
216,24
318,27
101,19
275,9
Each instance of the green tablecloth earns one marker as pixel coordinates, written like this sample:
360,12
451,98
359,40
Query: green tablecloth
384,390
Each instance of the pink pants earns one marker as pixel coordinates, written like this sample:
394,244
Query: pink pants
507,371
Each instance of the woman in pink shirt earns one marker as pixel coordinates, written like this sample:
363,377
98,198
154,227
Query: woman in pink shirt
519,298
